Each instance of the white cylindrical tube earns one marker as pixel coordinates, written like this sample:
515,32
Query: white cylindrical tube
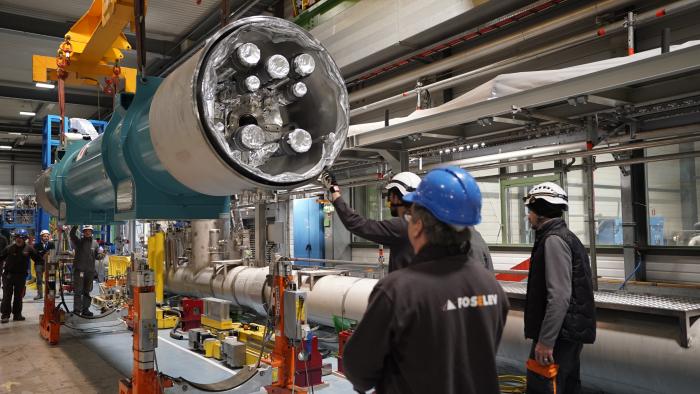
197,109
341,296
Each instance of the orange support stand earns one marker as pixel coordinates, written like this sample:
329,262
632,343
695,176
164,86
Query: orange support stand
144,377
50,320
284,354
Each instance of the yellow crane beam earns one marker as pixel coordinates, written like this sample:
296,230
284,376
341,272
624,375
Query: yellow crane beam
97,42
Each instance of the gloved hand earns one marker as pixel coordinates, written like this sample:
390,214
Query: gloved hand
327,179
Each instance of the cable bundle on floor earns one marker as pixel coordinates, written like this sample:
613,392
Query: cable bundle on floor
516,384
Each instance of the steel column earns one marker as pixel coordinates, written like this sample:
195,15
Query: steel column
634,218
589,205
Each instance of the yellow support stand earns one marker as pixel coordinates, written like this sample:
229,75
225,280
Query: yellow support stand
165,321
117,265
156,262
217,324
212,348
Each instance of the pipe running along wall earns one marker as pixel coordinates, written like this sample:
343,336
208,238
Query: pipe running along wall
261,105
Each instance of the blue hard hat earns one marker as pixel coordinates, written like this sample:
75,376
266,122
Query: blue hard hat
451,194
22,233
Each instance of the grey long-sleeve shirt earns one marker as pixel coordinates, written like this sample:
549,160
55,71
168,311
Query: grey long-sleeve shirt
391,232
85,251
557,267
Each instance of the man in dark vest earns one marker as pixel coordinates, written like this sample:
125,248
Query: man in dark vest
559,310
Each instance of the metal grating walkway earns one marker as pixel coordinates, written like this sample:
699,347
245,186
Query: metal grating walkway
685,309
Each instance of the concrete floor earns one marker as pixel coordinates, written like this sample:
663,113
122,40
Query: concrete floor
89,362
29,365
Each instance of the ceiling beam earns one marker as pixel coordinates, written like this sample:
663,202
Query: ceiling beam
29,92
28,24
191,41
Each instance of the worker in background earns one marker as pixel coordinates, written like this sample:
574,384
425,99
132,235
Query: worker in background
43,246
434,326
86,252
559,310
4,241
393,232
14,261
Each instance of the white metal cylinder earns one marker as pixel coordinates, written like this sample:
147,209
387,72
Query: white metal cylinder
341,296
189,143
200,243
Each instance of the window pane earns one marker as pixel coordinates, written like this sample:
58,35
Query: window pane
518,228
673,198
490,227
607,200
608,205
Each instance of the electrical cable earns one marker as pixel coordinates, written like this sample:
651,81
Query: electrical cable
639,265
512,384
267,324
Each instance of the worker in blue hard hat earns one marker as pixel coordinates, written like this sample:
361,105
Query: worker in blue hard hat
14,264
434,326
43,246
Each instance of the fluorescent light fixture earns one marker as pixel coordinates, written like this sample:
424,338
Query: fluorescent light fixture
25,113
45,85
14,133
5,147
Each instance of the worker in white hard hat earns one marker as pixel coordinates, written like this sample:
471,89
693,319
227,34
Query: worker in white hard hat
393,232
43,246
389,232
86,252
559,309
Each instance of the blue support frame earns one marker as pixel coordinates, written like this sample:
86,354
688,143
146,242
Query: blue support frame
48,146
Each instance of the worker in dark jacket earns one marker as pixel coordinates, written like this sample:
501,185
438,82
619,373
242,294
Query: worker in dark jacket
393,232
15,260
559,310
434,326
43,246
4,242
86,252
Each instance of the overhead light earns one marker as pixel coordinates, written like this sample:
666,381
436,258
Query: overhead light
14,133
25,113
5,147
45,85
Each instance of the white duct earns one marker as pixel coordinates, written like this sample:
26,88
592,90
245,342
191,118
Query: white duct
341,296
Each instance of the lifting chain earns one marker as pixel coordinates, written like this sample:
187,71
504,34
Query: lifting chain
112,83
63,56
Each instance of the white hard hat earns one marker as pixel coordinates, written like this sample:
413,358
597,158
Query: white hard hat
88,227
406,182
548,191
44,232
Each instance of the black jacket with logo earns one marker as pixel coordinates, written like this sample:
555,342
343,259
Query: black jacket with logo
432,327
580,322
15,259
